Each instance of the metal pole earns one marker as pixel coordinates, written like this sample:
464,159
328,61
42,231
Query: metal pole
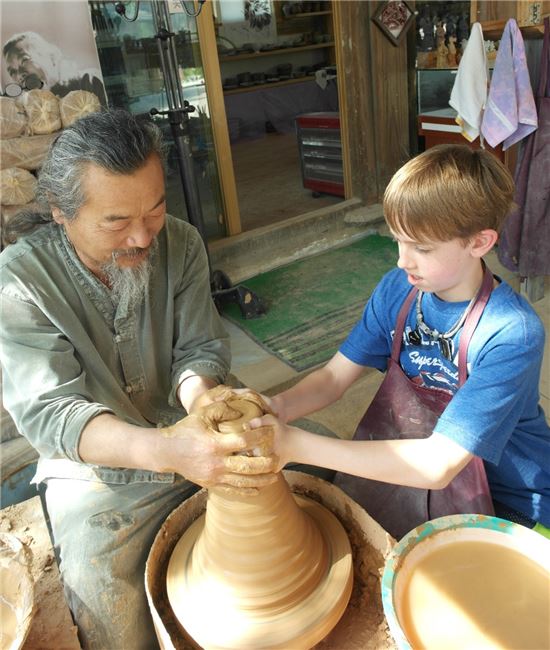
222,289
178,115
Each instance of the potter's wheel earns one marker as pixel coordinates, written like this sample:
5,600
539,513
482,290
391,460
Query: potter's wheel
271,570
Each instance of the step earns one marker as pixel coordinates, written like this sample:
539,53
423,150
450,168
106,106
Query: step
263,249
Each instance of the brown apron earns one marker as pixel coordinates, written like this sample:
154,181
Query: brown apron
403,410
524,242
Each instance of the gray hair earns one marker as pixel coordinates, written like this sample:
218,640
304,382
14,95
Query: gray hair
114,140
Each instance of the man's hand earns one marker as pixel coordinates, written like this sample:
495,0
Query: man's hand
269,404
195,449
217,394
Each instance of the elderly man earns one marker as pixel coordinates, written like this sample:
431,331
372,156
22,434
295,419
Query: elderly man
109,337
30,56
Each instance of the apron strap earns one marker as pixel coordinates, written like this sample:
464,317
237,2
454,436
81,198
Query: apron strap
400,324
471,323
467,331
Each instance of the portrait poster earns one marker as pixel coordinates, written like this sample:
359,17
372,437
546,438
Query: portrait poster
49,45
248,21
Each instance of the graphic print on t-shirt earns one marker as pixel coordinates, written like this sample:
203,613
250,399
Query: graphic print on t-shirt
425,365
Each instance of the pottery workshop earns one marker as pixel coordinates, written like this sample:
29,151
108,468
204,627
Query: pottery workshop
274,325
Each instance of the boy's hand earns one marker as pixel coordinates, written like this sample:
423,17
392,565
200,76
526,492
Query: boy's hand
274,404
283,437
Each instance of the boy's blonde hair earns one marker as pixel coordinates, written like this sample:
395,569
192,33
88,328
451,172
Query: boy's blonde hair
448,192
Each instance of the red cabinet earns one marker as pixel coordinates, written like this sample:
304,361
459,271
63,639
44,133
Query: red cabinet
440,127
320,148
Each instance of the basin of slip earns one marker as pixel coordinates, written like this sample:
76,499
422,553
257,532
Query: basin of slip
466,581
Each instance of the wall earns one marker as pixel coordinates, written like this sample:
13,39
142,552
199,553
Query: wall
376,97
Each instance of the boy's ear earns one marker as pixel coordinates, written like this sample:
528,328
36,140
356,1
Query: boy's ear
482,242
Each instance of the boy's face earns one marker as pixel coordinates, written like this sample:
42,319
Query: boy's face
450,269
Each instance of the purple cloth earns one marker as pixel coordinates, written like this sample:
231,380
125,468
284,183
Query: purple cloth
525,245
510,113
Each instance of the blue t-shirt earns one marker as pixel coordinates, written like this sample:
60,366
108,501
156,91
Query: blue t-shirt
496,413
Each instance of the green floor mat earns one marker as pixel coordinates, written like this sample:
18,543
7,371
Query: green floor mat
312,304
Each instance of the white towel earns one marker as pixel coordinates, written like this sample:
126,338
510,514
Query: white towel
469,92
322,77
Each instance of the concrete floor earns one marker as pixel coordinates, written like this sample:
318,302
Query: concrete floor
265,166
259,370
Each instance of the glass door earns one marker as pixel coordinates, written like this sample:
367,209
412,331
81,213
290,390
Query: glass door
132,72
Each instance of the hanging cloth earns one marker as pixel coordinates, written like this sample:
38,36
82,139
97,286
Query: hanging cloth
525,238
510,113
402,409
469,92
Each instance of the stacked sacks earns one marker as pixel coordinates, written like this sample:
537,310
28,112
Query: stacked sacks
28,126
76,104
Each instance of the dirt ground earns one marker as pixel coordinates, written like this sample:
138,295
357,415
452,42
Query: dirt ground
52,626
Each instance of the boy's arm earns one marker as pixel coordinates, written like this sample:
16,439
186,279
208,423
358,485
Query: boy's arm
319,389
423,463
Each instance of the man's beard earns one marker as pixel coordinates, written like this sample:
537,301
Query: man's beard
129,283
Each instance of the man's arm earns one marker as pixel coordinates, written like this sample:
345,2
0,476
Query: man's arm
192,387
191,448
200,348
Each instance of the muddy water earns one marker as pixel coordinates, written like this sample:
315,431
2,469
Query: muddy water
476,594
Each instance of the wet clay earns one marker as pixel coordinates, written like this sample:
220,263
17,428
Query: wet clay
475,594
16,591
273,570
51,625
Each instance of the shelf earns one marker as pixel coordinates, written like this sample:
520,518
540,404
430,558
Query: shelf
493,29
274,84
307,14
282,50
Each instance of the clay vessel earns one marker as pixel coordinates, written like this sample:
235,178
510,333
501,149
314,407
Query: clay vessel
272,570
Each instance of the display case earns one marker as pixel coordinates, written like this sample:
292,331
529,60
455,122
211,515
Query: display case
298,41
320,148
494,15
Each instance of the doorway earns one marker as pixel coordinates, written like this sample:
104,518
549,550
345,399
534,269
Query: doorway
275,61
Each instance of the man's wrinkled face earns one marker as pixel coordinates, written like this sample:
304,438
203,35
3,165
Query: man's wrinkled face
122,215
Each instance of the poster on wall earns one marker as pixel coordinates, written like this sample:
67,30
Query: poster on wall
247,21
49,45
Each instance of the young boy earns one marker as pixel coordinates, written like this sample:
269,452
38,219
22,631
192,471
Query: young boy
423,439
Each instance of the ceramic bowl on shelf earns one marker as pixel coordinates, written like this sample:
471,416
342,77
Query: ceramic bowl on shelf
284,69
287,9
244,77
230,83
